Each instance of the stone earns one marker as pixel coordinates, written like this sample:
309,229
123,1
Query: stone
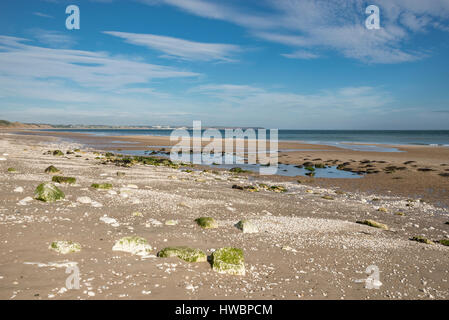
374,224
60,179
64,247
228,260
102,186
327,197
18,189
48,192
247,226
84,200
134,245
184,253
171,222
52,169
207,223
58,153
444,242
422,240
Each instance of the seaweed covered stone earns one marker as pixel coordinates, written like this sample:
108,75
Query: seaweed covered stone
184,253
421,240
228,260
60,179
103,186
374,224
12,170
52,169
207,223
247,226
58,153
65,247
444,242
135,245
48,192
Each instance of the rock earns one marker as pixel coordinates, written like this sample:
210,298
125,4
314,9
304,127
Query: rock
278,189
137,214
18,189
171,222
228,260
110,221
328,198
400,213
207,223
238,170
103,186
422,240
12,170
120,174
65,247
382,210
25,201
134,245
84,200
247,226
444,242
52,169
184,253
2,159
48,192
374,224
60,179
58,153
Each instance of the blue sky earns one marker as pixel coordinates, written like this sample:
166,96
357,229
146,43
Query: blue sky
275,63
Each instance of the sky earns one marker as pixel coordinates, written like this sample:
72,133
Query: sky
286,64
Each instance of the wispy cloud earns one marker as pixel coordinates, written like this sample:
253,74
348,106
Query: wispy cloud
85,68
180,48
43,15
330,25
54,39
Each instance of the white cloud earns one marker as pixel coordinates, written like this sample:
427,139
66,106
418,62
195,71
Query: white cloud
301,54
43,15
22,61
54,39
331,25
180,48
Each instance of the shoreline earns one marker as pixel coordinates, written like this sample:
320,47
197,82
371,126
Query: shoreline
426,177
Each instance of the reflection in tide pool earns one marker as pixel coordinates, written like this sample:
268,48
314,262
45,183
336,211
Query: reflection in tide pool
288,170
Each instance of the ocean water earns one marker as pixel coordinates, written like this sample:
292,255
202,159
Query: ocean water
340,138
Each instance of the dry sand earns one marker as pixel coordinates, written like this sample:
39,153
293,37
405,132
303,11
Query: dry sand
307,247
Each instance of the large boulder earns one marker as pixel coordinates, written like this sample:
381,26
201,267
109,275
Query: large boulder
228,260
135,245
247,226
48,192
207,223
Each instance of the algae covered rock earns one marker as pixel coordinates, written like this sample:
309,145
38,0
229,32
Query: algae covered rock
228,260
64,247
60,179
184,253
422,240
58,153
171,222
48,192
135,245
328,197
52,169
444,242
207,223
103,186
278,189
382,210
12,170
374,224
247,226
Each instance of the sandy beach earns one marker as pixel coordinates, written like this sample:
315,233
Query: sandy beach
307,245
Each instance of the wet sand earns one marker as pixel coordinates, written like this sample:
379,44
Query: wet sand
309,245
